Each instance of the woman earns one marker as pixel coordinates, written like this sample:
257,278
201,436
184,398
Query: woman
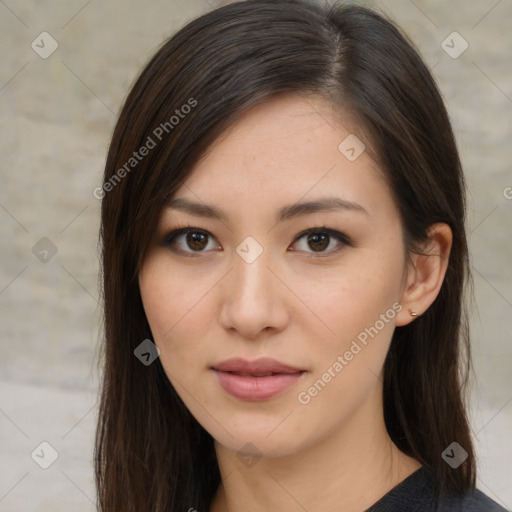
284,258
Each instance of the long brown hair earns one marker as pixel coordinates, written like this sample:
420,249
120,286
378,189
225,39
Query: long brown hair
150,453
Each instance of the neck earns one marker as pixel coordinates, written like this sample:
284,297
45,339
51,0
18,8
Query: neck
349,470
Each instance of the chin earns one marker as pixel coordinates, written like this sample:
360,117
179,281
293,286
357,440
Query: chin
258,446
265,438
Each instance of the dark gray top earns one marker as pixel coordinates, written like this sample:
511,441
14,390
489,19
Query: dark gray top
416,494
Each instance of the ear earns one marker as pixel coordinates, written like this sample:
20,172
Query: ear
425,273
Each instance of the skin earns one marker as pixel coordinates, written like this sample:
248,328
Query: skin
292,305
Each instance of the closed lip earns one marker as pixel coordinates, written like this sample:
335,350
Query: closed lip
264,365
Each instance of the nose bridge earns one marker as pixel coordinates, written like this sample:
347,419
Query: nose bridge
251,275
250,302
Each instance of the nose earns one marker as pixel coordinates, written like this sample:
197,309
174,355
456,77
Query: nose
254,298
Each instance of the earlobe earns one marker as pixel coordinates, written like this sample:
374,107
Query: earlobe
426,273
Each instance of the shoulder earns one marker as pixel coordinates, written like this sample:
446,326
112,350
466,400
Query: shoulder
475,502
416,494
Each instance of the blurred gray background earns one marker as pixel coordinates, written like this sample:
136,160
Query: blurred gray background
57,111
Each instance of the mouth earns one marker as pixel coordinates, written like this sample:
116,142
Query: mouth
262,367
257,380
244,374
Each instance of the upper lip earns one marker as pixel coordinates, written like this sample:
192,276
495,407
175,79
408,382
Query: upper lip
262,365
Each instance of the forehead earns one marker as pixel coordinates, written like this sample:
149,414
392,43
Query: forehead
283,151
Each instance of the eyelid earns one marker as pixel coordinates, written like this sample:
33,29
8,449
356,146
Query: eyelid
181,229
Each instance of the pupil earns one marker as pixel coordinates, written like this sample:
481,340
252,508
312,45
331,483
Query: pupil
195,240
316,236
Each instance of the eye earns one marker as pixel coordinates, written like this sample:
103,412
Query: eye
195,239
191,241
320,239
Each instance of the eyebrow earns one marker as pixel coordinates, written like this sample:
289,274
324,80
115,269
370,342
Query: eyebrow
285,213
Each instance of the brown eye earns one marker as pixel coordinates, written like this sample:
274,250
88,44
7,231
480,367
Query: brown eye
318,240
196,241
189,241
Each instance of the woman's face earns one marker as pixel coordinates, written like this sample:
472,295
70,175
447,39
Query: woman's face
249,284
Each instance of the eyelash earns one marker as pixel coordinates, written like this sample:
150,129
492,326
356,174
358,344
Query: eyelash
169,239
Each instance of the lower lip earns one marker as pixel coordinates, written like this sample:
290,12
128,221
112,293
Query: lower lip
256,388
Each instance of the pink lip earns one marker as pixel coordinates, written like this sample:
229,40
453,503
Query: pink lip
253,387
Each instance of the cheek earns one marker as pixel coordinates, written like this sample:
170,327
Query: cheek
355,305
352,296
168,294
347,361
176,306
